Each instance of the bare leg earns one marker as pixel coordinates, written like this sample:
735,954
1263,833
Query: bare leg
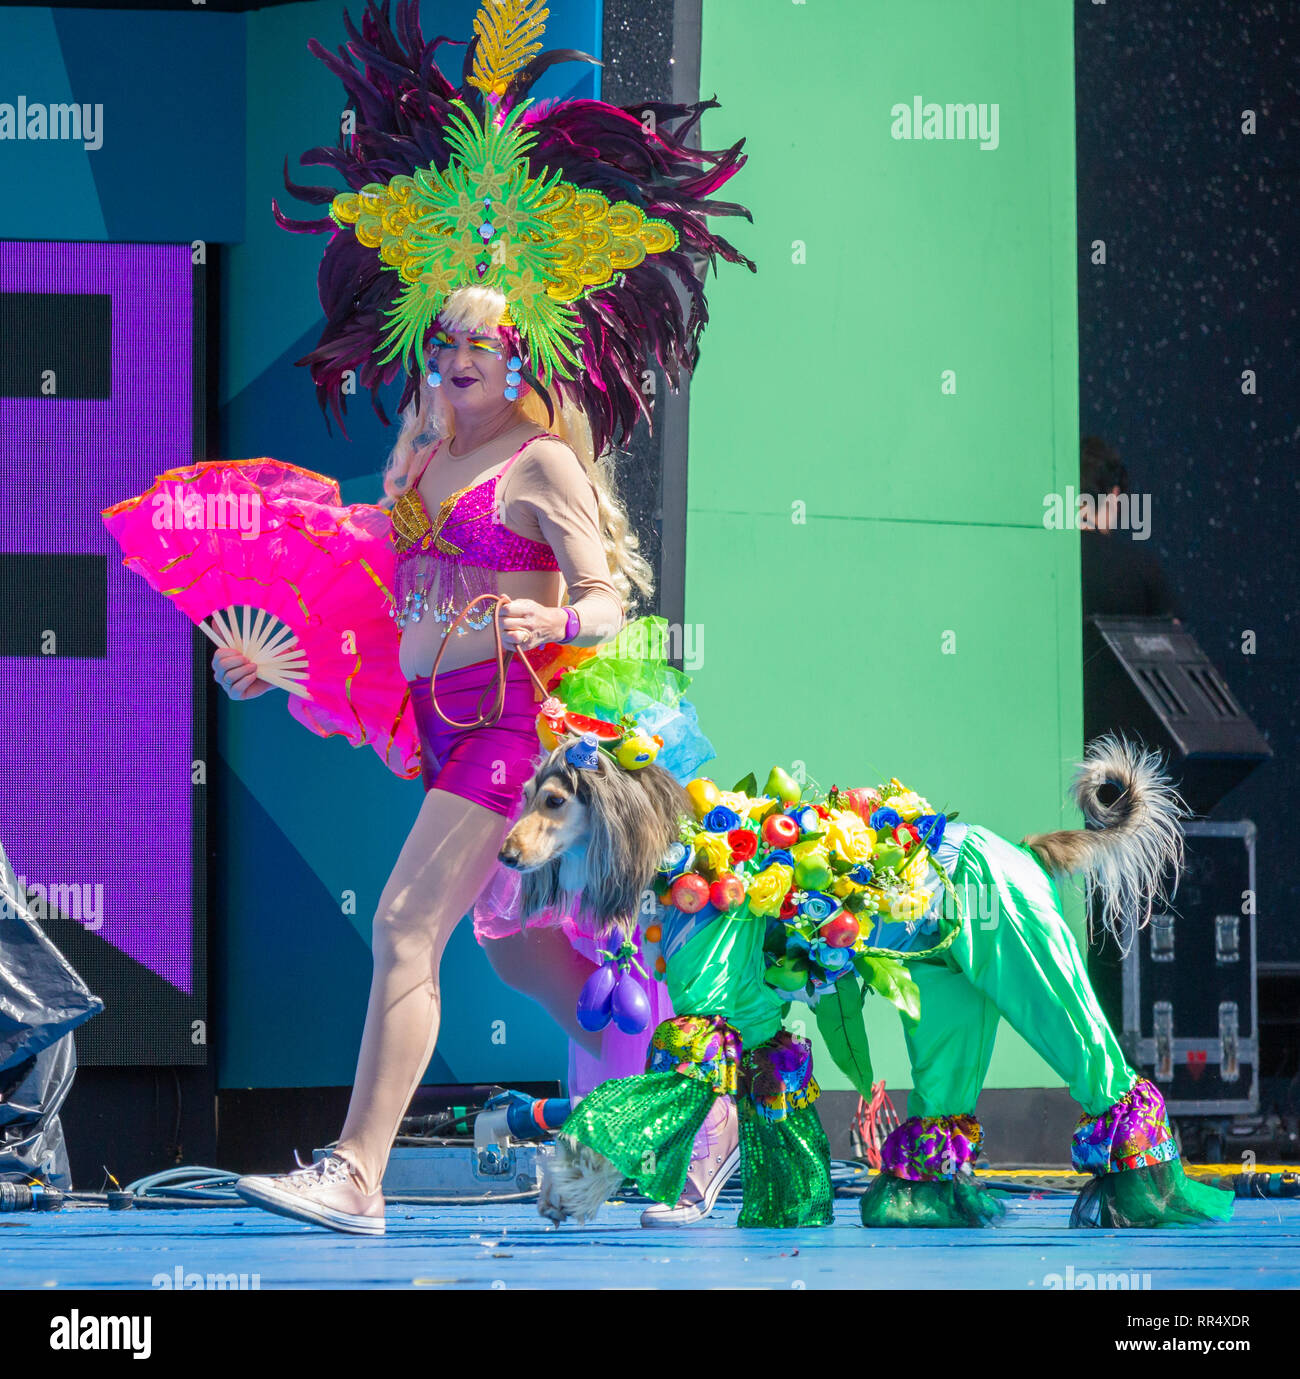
542,963
443,865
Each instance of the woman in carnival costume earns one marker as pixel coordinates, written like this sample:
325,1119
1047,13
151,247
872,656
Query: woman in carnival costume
519,266
765,899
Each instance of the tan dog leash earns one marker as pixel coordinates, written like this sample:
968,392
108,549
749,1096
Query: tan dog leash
499,682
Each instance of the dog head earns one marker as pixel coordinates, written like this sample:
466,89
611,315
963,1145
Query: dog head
596,834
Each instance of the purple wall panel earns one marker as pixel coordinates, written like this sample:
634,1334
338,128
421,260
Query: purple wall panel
95,754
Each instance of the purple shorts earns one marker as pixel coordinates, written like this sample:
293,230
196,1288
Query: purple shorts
489,765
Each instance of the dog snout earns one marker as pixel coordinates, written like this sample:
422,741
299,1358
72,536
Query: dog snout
510,854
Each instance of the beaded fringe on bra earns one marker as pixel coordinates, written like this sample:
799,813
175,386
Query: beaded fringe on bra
429,584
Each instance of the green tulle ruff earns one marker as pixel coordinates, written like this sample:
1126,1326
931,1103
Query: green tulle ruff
646,1126
956,1203
1144,1198
786,1169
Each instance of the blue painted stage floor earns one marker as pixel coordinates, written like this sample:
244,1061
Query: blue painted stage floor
510,1247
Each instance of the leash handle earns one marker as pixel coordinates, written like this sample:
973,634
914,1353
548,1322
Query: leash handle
498,686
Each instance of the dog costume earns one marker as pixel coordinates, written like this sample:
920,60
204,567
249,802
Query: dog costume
871,890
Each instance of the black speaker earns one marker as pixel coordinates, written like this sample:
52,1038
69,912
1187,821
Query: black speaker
1148,677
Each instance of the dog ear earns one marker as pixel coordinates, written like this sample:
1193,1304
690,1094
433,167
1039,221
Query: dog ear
539,890
626,847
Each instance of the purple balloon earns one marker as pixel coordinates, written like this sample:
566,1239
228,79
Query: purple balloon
596,998
631,1006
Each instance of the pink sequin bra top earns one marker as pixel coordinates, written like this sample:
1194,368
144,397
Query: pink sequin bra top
445,561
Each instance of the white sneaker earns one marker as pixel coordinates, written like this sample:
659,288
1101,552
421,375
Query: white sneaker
324,1193
715,1158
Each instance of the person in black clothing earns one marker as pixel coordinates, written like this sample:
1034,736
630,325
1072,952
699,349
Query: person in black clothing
1121,572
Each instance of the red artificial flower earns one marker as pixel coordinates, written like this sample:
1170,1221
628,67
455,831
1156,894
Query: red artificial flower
743,844
788,908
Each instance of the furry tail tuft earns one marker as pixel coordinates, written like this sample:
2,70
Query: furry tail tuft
576,1183
1133,845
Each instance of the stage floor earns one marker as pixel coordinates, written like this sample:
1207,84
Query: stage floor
508,1246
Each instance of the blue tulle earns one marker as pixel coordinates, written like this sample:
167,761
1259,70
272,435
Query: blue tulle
685,747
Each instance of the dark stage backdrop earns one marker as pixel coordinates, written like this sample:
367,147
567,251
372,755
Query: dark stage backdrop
1187,346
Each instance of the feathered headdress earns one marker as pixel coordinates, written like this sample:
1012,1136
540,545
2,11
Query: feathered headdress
584,216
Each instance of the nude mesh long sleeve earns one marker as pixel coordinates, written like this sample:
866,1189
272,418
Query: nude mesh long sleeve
548,496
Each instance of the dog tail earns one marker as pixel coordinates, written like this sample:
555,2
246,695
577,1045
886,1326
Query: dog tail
1132,845
576,1183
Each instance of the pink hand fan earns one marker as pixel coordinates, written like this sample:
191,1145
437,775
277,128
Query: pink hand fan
266,559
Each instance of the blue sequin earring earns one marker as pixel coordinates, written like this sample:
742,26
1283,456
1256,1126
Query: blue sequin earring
513,365
435,379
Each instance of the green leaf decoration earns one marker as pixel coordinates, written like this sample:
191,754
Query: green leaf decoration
888,978
748,786
840,1022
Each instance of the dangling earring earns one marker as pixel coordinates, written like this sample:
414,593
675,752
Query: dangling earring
513,365
435,379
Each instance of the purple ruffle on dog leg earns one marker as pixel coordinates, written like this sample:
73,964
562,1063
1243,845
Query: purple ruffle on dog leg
778,1076
932,1149
1134,1133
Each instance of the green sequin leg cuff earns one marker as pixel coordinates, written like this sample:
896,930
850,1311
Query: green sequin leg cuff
644,1126
786,1169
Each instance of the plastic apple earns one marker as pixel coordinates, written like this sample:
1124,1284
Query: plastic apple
811,874
690,893
780,831
727,892
863,802
785,976
840,932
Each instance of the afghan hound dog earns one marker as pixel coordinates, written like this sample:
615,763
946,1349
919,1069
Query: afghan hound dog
594,838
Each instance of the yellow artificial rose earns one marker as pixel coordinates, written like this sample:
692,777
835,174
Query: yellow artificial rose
842,886
768,889
759,807
734,799
849,836
908,805
908,905
713,853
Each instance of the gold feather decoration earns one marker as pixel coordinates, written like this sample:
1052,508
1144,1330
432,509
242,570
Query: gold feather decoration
509,35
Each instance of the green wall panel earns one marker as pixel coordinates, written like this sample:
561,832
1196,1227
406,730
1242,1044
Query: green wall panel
845,512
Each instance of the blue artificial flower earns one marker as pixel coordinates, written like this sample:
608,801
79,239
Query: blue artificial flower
862,873
817,905
831,958
720,819
931,827
777,855
807,818
676,860
886,818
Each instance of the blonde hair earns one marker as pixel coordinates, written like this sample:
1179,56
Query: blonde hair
428,419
